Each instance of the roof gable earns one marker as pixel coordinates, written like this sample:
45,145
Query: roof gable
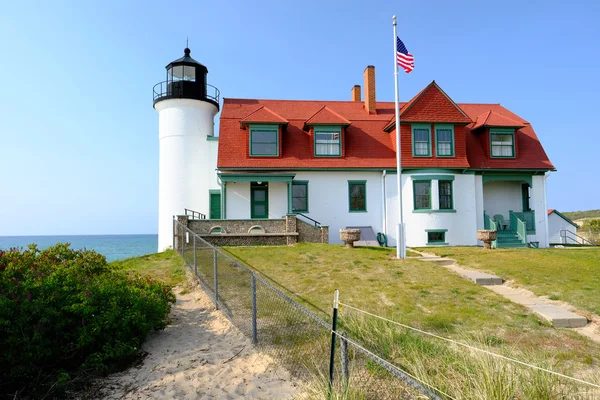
263,115
563,217
432,104
326,116
494,119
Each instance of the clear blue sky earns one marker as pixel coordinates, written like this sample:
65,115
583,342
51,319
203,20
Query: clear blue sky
78,134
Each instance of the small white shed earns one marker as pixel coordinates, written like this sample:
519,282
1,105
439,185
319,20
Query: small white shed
561,230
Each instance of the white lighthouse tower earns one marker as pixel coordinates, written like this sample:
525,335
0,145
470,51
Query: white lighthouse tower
186,107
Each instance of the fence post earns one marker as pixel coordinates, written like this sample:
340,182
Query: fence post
336,297
254,328
182,246
216,277
345,360
195,258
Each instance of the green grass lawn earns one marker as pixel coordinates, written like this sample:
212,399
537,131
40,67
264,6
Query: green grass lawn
167,267
413,292
571,275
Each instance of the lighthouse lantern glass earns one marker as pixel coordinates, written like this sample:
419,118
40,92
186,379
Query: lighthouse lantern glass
182,73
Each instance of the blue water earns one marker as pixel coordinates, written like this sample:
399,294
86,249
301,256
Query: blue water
113,247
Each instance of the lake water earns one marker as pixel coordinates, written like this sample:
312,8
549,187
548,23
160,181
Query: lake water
113,247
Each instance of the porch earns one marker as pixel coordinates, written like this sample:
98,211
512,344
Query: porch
507,201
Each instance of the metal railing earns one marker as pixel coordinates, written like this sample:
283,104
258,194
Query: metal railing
194,214
575,238
518,226
529,218
317,223
294,336
178,89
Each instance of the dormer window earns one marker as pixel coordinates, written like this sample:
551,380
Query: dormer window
264,140
502,143
328,141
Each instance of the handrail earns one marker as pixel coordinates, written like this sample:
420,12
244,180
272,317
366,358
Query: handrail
528,217
317,223
167,89
518,225
584,241
194,214
489,223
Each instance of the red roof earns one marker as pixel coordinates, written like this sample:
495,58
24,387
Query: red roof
325,116
366,143
491,118
264,115
550,211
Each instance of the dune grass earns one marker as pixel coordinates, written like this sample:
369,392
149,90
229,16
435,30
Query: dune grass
426,296
412,292
571,275
167,267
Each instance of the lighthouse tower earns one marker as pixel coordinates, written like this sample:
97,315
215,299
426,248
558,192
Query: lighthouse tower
186,107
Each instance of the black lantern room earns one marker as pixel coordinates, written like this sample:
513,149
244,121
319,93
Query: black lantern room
186,79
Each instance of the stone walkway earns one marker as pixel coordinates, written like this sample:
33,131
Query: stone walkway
558,315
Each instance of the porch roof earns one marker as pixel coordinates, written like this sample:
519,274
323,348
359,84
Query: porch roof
255,177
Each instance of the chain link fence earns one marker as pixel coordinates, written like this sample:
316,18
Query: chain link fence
293,335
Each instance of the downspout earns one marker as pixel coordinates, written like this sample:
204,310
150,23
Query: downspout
384,208
547,233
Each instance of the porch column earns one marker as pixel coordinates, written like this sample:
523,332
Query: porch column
289,197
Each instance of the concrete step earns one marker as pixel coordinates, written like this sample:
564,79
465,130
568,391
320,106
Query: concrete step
481,278
560,317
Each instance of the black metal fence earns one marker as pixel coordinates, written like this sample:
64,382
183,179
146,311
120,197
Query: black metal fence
296,337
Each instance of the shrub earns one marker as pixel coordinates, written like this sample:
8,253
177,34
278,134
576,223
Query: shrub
64,312
592,229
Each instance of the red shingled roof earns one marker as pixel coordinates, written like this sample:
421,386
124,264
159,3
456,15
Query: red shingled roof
326,116
264,115
491,118
366,144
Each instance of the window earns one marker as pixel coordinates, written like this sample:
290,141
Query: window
421,141
445,193
422,195
299,196
444,136
436,236
328,141
264,140
357,195
502,143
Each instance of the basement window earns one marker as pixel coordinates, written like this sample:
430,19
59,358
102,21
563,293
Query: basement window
436,237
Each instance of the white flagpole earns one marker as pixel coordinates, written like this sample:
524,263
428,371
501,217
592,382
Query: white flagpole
401,242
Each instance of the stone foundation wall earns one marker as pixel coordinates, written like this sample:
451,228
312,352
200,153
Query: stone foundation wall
223,232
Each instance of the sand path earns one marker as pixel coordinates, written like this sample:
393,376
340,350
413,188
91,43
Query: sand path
200,355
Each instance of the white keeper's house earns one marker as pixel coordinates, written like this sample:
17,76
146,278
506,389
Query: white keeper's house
465,166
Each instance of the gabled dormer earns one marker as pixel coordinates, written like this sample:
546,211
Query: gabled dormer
432,129
327,130
499,134
265,128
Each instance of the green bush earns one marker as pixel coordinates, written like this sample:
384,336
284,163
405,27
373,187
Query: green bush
592,229
65,312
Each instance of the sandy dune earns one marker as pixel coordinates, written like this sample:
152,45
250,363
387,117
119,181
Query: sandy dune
200,355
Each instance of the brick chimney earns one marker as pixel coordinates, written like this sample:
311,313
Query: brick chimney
370,102
356,93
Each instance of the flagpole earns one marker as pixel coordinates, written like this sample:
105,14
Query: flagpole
401,243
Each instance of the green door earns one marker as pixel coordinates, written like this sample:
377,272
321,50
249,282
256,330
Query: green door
215,205
259,200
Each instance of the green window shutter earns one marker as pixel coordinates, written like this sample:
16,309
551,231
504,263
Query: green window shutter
299,196
422,195
357,196
215,205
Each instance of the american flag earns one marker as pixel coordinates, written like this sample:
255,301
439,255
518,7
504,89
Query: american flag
404,58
